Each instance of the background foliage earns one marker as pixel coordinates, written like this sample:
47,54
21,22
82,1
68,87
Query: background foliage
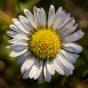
10,76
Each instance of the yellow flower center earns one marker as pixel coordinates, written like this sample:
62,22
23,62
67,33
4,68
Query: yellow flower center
45,43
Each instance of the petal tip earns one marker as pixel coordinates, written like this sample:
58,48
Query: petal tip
51,6
14,19
25,10
81,33
11,55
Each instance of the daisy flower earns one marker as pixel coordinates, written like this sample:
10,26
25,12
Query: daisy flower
45,46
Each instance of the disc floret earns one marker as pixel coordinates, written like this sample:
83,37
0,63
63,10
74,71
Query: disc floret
45,43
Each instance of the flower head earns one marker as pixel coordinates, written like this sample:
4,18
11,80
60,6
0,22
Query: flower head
43,47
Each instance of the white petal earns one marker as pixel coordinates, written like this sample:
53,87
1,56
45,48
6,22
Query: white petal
18,47
27,64
40,65
34,69
30,18
39,17
26,72
65,62
51,15
13,41
71,57
18,41
58,67
11,33
21,36
14,28
50,68
47,75
23,19
40,77
67,71
35,15
60,17
66,21
58,12
26,23
69,28
43,15
72,23
22,58
73,37
21,26
72,47
18,53
59,20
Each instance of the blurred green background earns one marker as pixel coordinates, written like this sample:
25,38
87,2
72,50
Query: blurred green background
10,76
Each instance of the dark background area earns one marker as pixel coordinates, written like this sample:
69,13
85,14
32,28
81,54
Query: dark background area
10,76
